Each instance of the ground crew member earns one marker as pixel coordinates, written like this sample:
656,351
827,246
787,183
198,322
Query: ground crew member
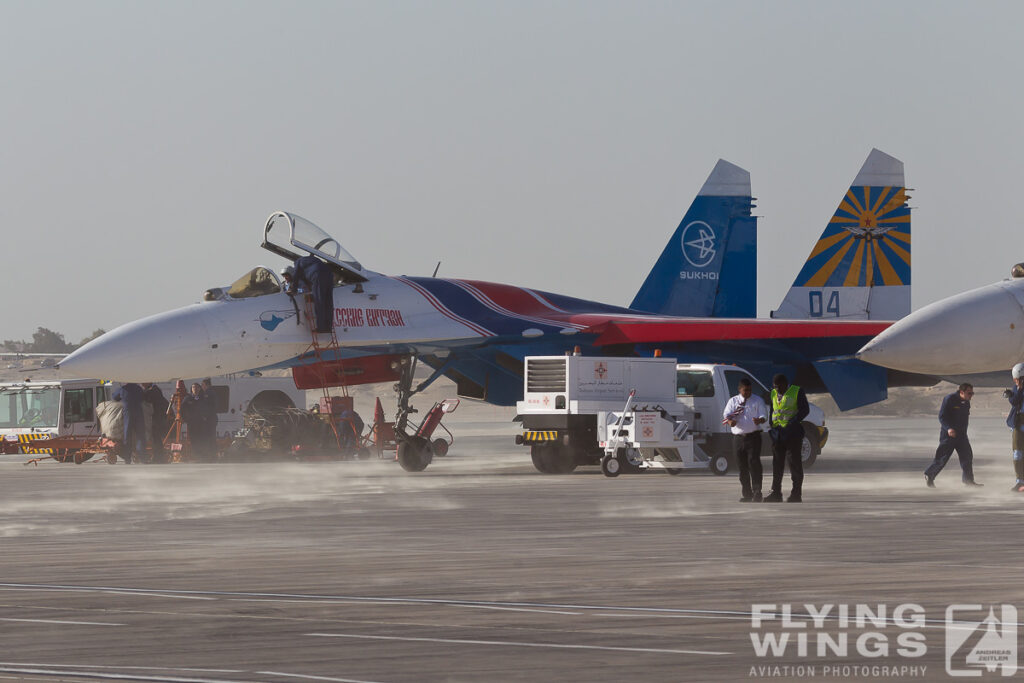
130,396
317,277
193,415
350,429
152,395
745,413
209,406
788,410
1015,421
953,417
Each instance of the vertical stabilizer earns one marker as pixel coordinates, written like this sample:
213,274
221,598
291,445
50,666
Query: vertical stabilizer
709,267
860,267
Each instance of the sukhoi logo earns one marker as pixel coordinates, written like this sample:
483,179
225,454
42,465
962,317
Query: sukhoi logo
698,244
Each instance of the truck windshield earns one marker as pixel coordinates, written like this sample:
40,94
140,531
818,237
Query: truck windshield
27,407
694,383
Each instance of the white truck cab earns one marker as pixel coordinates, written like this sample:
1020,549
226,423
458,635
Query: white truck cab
707,388
563,395
32,410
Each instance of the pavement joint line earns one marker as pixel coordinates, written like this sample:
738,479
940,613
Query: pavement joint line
62,621
513,643
442,601
134,668
107,675
519,609
315,678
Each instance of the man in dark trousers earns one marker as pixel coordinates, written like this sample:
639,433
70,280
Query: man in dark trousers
788,409
1015,421
193,414
953,418
745,413
130,396
152,395
209,408
317,277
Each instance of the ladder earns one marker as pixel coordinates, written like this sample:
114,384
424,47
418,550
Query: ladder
317,347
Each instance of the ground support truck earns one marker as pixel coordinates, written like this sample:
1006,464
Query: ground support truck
564,395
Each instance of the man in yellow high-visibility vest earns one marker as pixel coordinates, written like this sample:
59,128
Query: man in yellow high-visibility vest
786,414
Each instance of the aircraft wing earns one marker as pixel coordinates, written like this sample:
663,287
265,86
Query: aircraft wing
824,345
680,331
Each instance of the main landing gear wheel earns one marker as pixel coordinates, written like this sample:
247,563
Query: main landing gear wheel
440,447
414,454
719,464
610,466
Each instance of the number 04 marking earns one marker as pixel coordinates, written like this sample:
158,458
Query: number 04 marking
814,304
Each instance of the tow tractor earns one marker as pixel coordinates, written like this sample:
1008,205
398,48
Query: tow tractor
648,437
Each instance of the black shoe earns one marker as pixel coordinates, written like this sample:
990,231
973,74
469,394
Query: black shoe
930,481
794,498
746,499
972,483
773,497
757,497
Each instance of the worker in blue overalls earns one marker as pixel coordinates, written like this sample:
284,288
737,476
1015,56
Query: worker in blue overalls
954,415
1015,421
130,396
317,277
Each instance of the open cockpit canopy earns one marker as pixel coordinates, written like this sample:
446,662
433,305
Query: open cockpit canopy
293,236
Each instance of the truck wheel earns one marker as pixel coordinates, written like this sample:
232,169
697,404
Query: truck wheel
414,454
440,447
539,455
562,459
807,452
552,458
610,466
719,464
809,446
627,456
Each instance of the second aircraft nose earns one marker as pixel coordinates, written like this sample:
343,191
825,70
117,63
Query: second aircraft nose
977,331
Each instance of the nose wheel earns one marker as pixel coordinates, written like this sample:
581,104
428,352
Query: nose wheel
414,454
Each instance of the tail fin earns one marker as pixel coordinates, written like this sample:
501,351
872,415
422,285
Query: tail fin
709,267
860,267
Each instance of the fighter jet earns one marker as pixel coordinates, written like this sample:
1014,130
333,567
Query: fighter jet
978,331
696,304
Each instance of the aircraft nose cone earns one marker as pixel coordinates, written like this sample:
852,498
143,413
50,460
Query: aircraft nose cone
161,347
977,331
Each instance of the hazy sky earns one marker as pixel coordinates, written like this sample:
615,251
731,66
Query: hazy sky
549,144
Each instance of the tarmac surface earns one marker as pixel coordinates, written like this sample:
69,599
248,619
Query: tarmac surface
481,569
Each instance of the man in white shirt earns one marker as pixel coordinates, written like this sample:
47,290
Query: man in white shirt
745,413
